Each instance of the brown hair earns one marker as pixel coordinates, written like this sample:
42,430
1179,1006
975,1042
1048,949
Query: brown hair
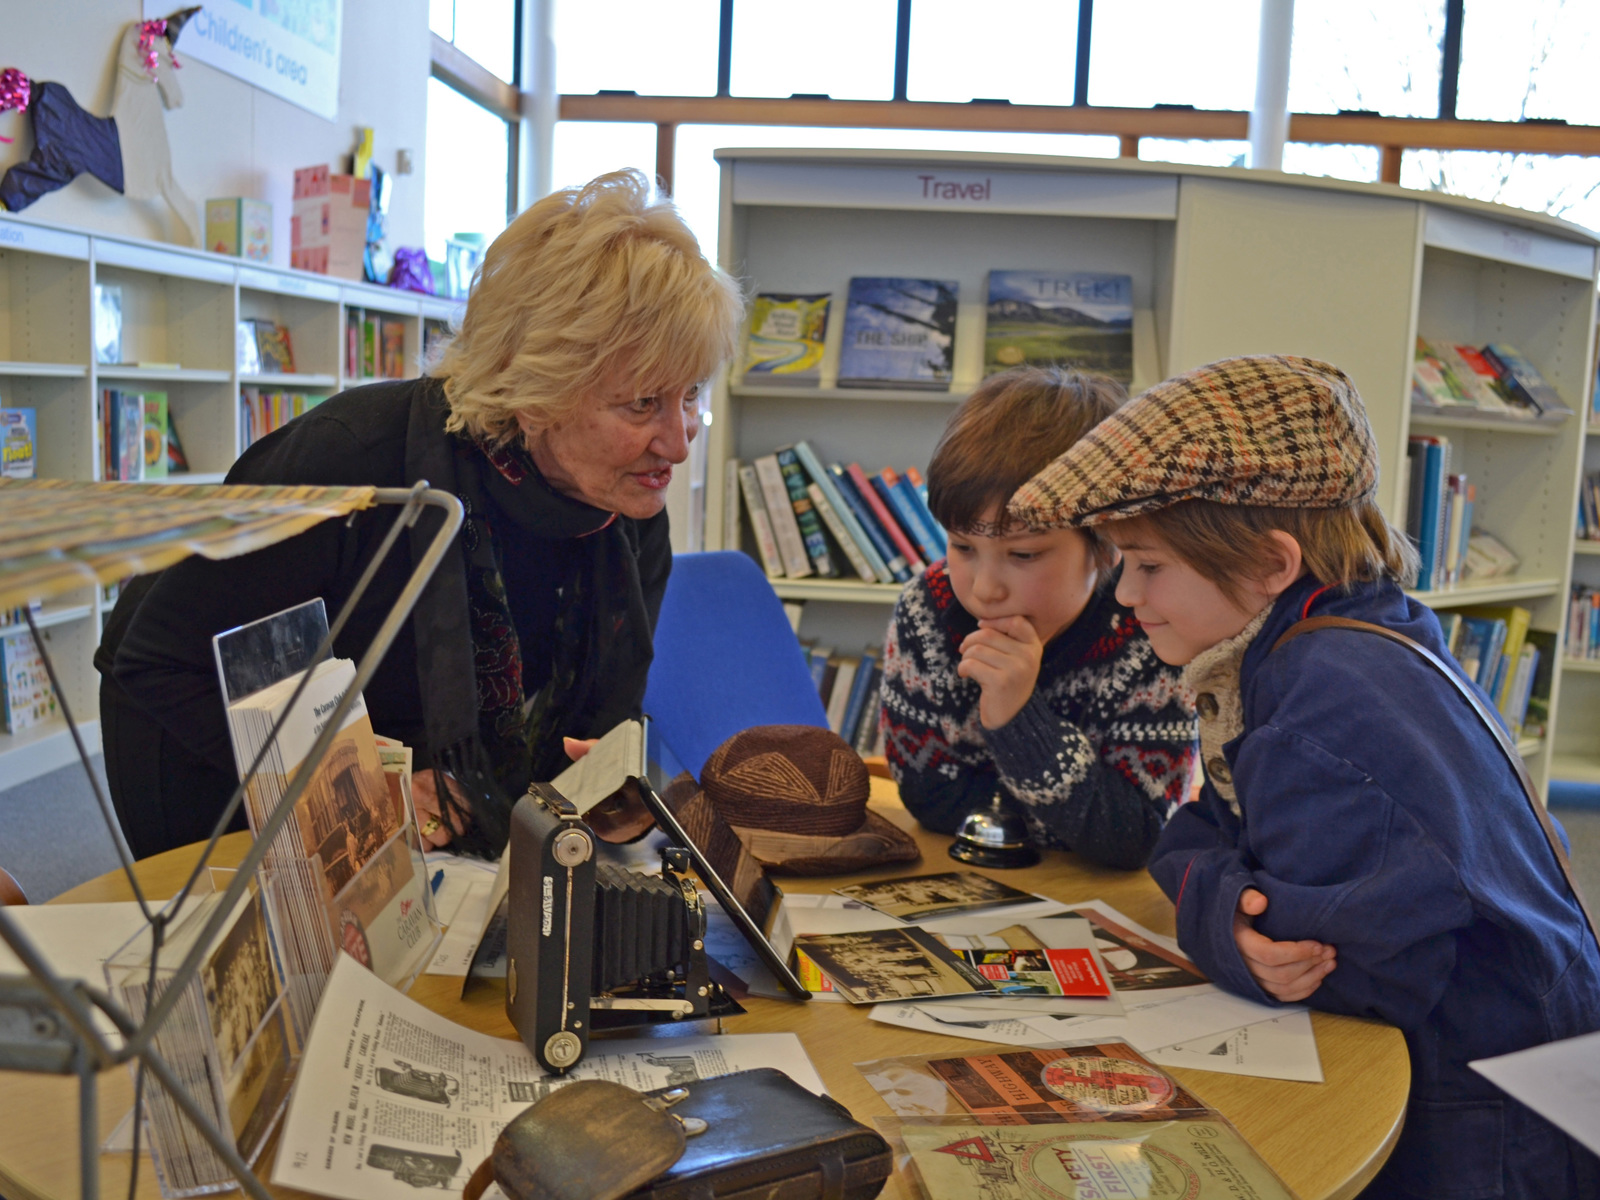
1005,433
1229,543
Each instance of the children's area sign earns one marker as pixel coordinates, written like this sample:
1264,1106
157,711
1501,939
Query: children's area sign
287,47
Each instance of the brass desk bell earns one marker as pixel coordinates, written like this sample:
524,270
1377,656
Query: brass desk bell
995,836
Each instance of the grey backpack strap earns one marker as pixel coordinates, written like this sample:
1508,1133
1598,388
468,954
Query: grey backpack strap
1502,739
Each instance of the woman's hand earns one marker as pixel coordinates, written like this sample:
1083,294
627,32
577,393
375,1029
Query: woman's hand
435,827
1288,971
576,748
1002,655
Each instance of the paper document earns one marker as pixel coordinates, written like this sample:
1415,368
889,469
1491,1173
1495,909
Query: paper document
76,940
1559,1080
1283,1048
392,1097
1010,1033
460,941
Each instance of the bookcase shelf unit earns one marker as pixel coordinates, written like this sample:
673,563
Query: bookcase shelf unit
180,310
1223,262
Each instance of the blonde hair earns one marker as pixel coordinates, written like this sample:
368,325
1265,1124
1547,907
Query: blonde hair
1229,543
584,283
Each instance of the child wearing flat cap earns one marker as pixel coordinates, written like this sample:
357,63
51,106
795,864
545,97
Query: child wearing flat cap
1010,667
1363,842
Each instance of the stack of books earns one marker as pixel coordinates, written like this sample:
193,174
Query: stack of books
900,332
1439,512
137,437
1495,378
849,685
374,345
810,520
1502,655
261,410
1583,622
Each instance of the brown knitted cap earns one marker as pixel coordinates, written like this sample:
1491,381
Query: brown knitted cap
1276,431
797,797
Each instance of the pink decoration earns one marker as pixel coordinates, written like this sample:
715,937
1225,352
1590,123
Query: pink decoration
149,31
15,90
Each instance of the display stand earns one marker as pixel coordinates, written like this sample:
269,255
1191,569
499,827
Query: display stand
61,536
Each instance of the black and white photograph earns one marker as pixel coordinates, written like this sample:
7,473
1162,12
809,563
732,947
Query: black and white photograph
891,964
240,982
920,897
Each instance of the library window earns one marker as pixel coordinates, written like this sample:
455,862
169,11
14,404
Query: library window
1379,57
637,46
959,52
468,185
484,30
1174,52
1529,61
786,50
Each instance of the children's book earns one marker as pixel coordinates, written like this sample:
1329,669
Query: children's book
155,435
18,443
1081,319
1478,377
247,353
786,337
108,323
899,333
28,695
1433,382
272,341
392,352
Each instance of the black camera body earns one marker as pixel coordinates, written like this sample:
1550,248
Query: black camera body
592,945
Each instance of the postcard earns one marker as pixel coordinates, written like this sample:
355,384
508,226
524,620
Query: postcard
922,896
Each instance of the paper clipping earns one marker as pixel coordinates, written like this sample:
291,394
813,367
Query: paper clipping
393,1097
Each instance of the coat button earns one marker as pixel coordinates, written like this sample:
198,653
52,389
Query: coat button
1217,768
1206,705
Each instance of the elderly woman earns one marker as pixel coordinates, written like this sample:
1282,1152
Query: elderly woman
556,414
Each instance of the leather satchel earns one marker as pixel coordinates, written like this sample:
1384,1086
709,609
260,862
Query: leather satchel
750,1134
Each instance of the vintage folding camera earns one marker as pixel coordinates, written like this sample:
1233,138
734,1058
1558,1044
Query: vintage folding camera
591,945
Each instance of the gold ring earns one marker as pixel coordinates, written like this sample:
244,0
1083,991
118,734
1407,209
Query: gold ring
430,827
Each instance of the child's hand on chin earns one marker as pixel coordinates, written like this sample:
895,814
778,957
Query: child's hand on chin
1289,971
1002,655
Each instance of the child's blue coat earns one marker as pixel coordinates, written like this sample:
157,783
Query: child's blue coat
1380,817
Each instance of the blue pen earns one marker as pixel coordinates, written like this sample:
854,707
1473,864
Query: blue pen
438,878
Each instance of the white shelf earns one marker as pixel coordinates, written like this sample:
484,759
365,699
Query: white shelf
57,614
1529,746
1490,591
187,477
297,380
1575,768
1473,419
798,392
1581,546
1581,665
44,748
166,374
45,370
852,590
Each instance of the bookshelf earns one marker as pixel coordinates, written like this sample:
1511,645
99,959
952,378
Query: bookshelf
1576,754
1223,262
179,310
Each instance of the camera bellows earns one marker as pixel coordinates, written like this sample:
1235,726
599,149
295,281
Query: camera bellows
642,927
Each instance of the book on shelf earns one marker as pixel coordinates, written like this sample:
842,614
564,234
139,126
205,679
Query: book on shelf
909,509
19,443
1523,383
1439,512
29,697
121,430
805,513
1433,381
1583,622
1589,507
107,323
899,332
893,561
840,686
272,344
785,528
157,461
229,1039
392,348
1081,319
731,539
868,491
1498,663
785,341
862,690
246,350
1477,378
1488,557
369,346
760,521
794,610
848,686
1536,709
263,410
841,519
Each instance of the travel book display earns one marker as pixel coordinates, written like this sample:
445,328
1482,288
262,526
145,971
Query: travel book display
900,332
229,1040
1494,379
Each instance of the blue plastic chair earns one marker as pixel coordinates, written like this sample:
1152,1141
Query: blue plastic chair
725,659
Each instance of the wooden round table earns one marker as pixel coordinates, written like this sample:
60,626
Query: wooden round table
1326,1140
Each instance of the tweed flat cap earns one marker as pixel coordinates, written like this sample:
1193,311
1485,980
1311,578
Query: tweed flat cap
1275,431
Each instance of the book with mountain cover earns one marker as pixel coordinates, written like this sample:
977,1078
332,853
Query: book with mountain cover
899,332
786,338
1081,319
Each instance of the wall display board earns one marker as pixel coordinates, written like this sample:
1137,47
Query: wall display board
179,340
1221,262
287,47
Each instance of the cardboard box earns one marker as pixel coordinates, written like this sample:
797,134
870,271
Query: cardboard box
240,227
328,231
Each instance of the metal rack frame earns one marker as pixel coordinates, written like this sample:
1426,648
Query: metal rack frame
46,1022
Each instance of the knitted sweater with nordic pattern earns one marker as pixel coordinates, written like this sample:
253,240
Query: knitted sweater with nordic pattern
1096,759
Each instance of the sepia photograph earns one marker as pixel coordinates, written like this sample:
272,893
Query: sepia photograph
891,964
240,983
346,814
920,897
257,1088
